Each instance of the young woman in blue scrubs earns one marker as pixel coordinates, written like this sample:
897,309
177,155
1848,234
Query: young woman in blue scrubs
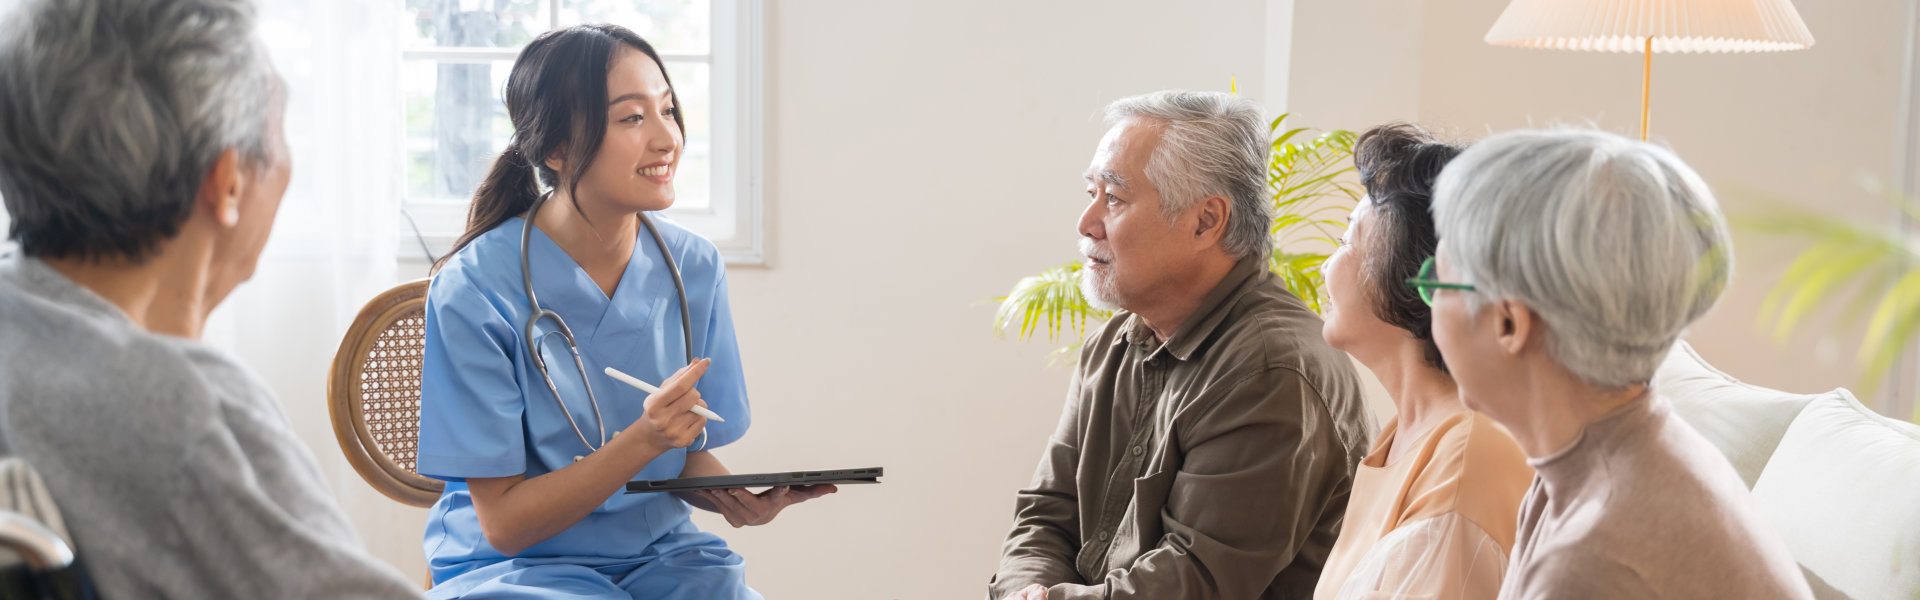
534,505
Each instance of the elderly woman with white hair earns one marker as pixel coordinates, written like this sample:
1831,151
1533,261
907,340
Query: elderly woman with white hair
1569,262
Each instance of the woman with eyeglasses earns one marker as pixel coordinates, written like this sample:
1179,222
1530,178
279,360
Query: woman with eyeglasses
1434,502
1569,262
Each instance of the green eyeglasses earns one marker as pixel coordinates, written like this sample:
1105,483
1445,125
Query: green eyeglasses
1425,284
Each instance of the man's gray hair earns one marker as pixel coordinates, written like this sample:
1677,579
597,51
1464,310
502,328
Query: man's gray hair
1616,244
112,112
1212,144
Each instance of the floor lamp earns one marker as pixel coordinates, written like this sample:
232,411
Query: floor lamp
1649,26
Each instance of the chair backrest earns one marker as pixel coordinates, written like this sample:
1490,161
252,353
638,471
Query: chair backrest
373,394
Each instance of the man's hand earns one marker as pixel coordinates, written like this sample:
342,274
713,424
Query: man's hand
1031,592
743,509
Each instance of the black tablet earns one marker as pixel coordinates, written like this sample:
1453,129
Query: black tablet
756,480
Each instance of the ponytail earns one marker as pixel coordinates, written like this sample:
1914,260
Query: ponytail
508,191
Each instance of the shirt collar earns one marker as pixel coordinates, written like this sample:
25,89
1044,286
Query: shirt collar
1205,319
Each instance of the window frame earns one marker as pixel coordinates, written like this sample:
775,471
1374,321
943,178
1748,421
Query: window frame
734,216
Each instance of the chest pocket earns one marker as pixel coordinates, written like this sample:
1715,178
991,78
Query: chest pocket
1140,527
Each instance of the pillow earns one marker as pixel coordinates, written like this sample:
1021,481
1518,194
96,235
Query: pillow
1843,491
1744,421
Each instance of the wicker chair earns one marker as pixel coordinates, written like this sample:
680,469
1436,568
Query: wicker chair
373,394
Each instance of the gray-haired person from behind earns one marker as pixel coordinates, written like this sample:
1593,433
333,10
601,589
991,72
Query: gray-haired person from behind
1209,437
1569,262
142,162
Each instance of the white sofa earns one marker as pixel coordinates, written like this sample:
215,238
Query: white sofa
1838,482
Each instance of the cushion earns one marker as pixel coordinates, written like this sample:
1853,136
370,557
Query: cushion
1843,491
1744,421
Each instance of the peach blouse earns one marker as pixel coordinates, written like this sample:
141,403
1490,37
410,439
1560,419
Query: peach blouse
1437,522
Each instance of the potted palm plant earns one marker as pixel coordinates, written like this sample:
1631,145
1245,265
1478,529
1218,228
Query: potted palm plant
1872,266
1306,180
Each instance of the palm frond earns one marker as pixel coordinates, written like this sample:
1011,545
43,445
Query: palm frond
1815,278
1053,297
1300,272
1896,320
1874,264
1880,277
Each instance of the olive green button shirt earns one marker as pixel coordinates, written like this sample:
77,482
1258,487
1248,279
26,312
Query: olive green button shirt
1215,465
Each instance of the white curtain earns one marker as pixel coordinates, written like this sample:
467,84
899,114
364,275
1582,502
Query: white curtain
333,244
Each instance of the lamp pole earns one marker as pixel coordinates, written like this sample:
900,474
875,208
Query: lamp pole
1646,87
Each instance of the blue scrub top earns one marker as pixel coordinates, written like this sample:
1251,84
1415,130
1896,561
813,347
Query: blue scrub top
485,412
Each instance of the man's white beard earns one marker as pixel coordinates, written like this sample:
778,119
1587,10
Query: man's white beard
1098,289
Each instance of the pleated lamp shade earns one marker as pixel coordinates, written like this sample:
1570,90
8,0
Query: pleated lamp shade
1674,25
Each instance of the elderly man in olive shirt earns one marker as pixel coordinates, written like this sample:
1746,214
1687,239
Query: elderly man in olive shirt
1210,436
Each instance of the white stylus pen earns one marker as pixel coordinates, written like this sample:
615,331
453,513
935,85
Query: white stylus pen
648,388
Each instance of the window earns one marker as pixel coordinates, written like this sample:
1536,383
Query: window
455,57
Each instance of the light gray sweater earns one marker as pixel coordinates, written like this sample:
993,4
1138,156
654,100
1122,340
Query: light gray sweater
174,467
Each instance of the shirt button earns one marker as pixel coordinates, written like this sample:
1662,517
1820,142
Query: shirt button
1103,536
1137,450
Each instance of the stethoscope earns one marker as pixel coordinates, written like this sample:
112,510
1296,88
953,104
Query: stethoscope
537,313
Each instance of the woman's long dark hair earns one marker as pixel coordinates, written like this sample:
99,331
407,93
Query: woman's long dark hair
557,99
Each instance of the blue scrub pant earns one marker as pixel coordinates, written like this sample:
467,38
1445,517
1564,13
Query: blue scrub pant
698,566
